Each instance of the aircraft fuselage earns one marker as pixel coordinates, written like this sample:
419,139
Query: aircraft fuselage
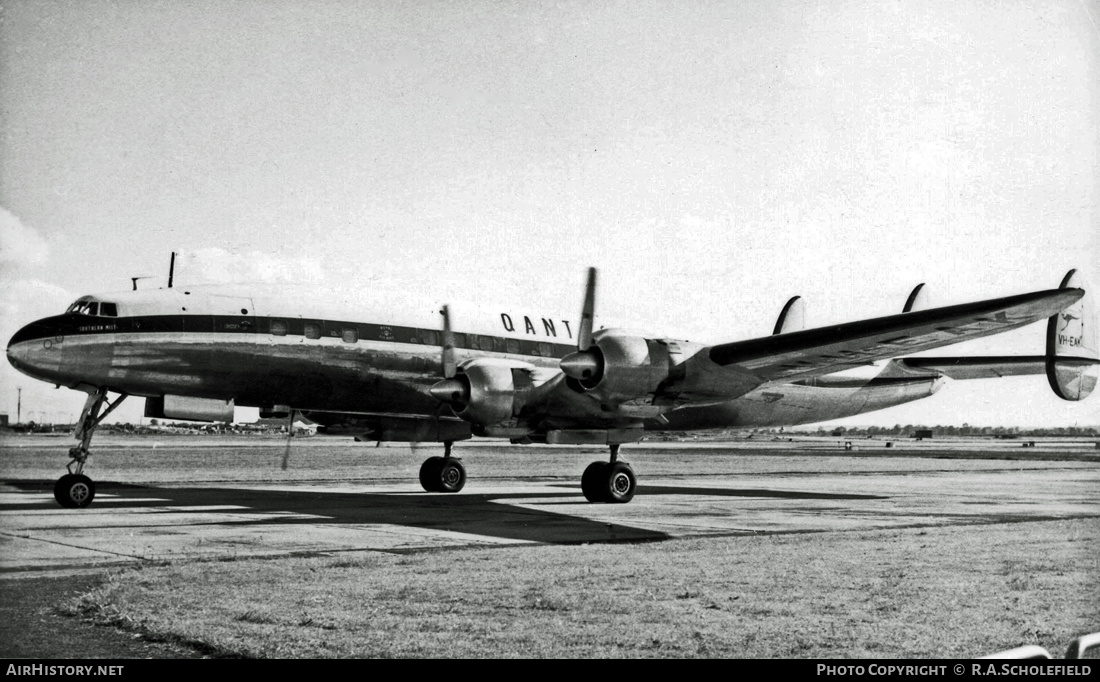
260,353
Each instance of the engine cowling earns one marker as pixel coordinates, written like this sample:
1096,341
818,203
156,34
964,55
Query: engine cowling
620,367
482,392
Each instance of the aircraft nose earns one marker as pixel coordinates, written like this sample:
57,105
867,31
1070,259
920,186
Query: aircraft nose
33,352
18,348
15,356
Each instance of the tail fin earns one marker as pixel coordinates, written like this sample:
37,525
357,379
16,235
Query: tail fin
918,300
1072,347
792,318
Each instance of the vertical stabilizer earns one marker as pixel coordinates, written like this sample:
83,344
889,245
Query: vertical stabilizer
1072,347
918,300
792,318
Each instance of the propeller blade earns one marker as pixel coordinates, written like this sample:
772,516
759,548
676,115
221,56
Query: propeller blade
584,332
450,390
289,435
449,364
584,364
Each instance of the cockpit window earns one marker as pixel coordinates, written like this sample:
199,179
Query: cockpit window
80,307
87,306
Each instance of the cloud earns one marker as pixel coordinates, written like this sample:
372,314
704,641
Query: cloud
20,245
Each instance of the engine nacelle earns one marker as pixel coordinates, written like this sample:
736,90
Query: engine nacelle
490,395
483,391
620,367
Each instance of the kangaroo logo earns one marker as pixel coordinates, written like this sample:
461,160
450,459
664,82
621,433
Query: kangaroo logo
1068,318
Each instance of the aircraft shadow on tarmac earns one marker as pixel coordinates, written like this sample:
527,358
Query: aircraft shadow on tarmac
472,513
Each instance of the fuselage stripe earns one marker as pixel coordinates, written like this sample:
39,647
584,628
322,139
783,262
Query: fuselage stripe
305,328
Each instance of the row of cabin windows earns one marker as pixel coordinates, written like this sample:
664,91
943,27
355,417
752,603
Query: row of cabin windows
428,337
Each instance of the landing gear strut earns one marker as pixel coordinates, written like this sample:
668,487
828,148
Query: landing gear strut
612,481
75,490
443,474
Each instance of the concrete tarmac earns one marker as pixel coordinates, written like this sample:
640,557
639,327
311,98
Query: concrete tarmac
682,493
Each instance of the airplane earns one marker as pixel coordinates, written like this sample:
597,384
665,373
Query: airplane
390,371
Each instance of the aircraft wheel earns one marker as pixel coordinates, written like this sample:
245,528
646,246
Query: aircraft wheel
74,491
430,474
620,483
594,482
452,475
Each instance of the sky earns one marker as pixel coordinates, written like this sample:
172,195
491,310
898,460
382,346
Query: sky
713,159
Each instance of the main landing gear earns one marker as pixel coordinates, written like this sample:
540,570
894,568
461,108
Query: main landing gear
612,481
74,490
443,474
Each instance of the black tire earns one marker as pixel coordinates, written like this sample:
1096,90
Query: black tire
594,482
430,474
452,475
621,483
74,491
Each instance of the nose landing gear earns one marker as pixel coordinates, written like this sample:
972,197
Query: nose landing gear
74,490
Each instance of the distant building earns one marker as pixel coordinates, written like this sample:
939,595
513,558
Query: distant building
922,434
3,418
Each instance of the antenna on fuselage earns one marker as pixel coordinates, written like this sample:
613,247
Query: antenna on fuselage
135,280
171,270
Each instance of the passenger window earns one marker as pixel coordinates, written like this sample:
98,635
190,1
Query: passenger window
312,330
278,327
544,349
460,340
512,345
429,337
108,309
350,335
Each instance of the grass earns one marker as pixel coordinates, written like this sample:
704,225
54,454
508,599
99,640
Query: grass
956,591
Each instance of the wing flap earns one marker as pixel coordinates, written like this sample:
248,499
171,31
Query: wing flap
824,350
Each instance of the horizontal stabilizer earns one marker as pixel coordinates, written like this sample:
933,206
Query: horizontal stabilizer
990,367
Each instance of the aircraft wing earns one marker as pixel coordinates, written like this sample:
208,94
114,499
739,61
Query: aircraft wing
824,350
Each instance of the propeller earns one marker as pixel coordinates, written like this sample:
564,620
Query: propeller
584,363
450,390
